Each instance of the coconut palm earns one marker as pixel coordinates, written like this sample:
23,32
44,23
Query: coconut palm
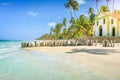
72,20
72,5
78,27
84,25
51,30
91,11
75,7
68,5
91,15
64,22
97,1
104,9
58,29
64,34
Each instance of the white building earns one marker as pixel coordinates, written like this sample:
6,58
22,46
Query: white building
107,24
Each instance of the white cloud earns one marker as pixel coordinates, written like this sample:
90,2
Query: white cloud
52,24
5,3
81,1
31,13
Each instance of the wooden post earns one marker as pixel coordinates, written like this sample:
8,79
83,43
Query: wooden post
96,42
113,43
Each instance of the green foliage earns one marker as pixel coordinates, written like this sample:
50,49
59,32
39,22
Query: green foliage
104,9
72,5
91,15
65,22
78,27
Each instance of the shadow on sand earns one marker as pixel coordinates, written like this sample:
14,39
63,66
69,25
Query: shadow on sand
94,51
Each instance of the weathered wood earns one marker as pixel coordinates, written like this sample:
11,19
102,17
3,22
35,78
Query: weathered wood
85,41
96,42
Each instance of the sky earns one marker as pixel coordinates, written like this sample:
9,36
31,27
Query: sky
30,19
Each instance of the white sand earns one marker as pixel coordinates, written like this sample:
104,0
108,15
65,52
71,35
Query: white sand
103,60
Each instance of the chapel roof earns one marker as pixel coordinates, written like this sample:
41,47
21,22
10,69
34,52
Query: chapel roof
115,15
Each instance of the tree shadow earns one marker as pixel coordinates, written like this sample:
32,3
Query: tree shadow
94,51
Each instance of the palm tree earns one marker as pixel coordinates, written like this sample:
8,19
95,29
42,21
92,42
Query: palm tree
72,5
84,25
91,15
97,4
91,11
64,29
64,34
104,9
51,30
69,33
75,7
68,5
58,29
65,22
72,21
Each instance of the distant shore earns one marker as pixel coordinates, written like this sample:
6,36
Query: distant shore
105,60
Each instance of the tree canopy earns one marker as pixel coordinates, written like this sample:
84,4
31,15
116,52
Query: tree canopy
76,27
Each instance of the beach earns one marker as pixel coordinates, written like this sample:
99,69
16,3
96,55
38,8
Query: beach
60,40
103,60
58,63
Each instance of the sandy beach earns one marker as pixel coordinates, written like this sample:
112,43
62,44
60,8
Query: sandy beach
104,60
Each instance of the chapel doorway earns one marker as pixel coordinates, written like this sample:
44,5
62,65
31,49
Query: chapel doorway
100,31
113,31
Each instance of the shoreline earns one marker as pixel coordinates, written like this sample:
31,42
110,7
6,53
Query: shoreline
58,49
104,60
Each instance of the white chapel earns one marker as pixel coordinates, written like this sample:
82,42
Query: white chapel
107,24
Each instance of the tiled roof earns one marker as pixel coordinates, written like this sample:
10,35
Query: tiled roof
115,15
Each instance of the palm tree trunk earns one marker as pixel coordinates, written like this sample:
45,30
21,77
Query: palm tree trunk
71,13
75,15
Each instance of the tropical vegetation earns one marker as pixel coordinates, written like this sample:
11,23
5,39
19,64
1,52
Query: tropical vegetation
76,27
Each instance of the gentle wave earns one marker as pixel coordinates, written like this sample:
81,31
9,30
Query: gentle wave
10,46
6,73
5,56
15,46
5,50
8,54
2,46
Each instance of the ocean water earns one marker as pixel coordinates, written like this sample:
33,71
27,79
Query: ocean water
19,64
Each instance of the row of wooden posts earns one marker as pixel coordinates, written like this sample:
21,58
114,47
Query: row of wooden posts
52,43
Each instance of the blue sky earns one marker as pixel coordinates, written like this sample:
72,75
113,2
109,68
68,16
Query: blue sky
29,19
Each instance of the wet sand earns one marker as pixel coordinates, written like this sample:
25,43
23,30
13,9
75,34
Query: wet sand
103,60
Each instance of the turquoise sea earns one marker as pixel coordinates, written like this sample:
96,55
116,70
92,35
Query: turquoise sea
19,64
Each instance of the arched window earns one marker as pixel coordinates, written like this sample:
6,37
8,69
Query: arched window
111,21
113,31
100,31
103,21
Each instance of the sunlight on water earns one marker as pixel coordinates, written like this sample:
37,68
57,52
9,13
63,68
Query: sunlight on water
17,64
